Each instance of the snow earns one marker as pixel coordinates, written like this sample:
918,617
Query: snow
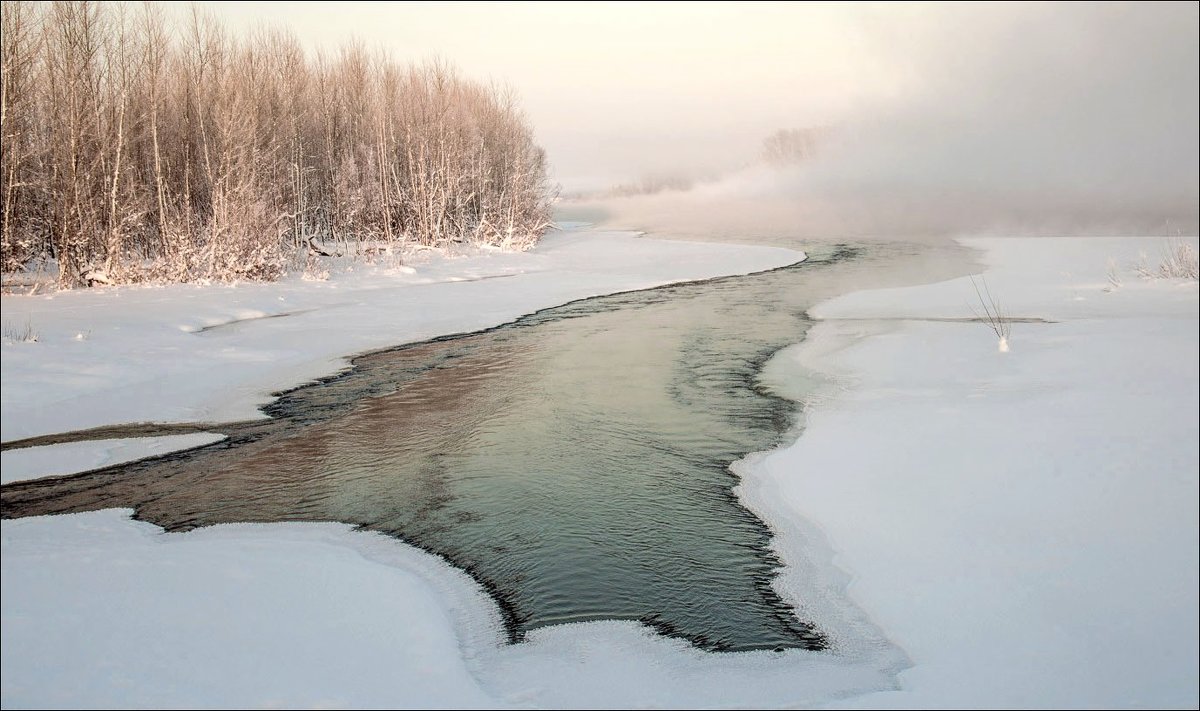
119,355
1022,524
74,457
971,527
103,612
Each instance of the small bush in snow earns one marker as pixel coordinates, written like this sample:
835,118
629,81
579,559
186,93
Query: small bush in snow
1114,275
995,319
18,334
1180,261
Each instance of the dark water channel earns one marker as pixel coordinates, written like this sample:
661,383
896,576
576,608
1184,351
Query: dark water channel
575,462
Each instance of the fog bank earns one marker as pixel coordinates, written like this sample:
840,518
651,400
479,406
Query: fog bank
1025,119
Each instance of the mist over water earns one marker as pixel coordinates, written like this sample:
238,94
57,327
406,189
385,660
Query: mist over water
995,119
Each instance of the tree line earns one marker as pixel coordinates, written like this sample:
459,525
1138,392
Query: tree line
136,147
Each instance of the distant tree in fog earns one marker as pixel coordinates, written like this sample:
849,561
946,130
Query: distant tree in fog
652,185
791,146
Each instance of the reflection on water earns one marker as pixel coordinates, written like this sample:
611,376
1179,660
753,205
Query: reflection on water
575,462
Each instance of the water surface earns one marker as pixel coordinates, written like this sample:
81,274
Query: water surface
575,461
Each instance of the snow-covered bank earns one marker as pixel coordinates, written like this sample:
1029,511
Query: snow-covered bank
103,612
187,353
1023,525
72,457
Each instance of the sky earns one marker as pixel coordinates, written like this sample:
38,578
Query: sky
1084,102
616,88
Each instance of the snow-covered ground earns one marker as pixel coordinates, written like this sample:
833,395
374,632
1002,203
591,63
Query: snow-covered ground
971,527
1023,525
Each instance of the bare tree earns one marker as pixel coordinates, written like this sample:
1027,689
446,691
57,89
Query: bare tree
20,73
133,149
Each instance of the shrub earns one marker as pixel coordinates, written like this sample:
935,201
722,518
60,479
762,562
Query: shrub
992,316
